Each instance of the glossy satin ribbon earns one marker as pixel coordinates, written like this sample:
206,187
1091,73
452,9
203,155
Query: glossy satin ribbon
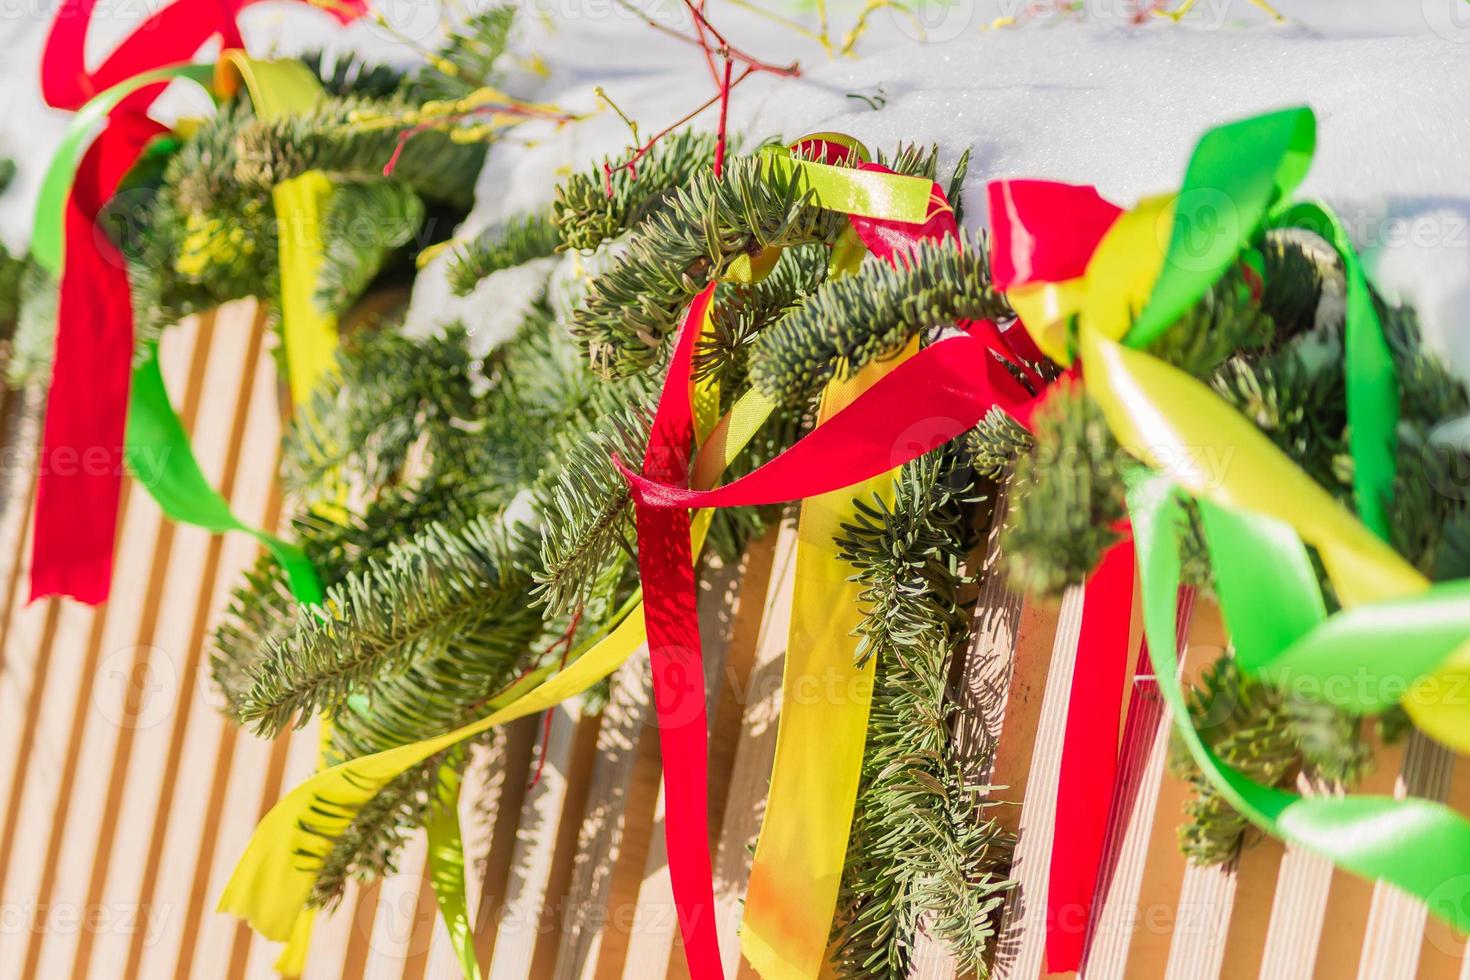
1399,639
83,451
945,389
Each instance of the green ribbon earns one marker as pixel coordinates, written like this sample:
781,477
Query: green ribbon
1418,845
48,234
446,871
156,448
160,457
1365,658
1237,185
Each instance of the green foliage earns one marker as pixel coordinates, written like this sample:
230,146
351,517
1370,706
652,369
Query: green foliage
390,395
852,321
353,139
467,58
522,239
708,223
1246,725
362,227
448,593
922,847
588,511
1268,735
586,215
349,73
33,342
1068,495
745,310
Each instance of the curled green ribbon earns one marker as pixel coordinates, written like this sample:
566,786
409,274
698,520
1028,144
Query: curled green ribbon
1400,640
1421,846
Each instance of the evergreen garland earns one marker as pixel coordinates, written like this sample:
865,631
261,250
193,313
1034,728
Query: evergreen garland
922,849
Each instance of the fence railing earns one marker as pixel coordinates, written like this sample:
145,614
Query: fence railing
125,798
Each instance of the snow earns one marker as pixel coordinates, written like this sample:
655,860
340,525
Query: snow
1086,97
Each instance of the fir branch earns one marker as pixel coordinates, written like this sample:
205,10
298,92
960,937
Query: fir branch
1068,495
856,320
363,225
1247,726
600,204
586,511
390,394
922,848
352,139
519,240
629,310
349,73
418,603
745,310
33,343
466,60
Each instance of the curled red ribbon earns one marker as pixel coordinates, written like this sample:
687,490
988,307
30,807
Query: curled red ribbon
80,470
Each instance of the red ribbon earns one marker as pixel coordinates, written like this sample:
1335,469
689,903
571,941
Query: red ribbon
80,471
666,566
1047,232
1089,765
1042,232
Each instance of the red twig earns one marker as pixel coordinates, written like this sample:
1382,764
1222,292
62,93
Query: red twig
631,164
566,648
528,112
720,140
724,50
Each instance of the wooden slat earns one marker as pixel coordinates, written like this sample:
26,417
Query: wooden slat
750,773
1022,940
651,933
980,701
540,869
171,673
1396,920
109,700
183,820
1142,757
625,722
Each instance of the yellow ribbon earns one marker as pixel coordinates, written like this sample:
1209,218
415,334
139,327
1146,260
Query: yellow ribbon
279,89
821,733
1176,424
272,884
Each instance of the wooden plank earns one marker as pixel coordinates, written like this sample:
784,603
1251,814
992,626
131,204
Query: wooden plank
1164,867
183,817
1022,939
745,796
1294,930
396,924
108,702
294,759
1350,898
1142,758
1396,920
597,924
171,672
1204,915
980,699
625,722
1444,954
650,940
533,893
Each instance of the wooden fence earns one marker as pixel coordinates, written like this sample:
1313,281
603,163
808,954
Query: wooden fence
125,798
